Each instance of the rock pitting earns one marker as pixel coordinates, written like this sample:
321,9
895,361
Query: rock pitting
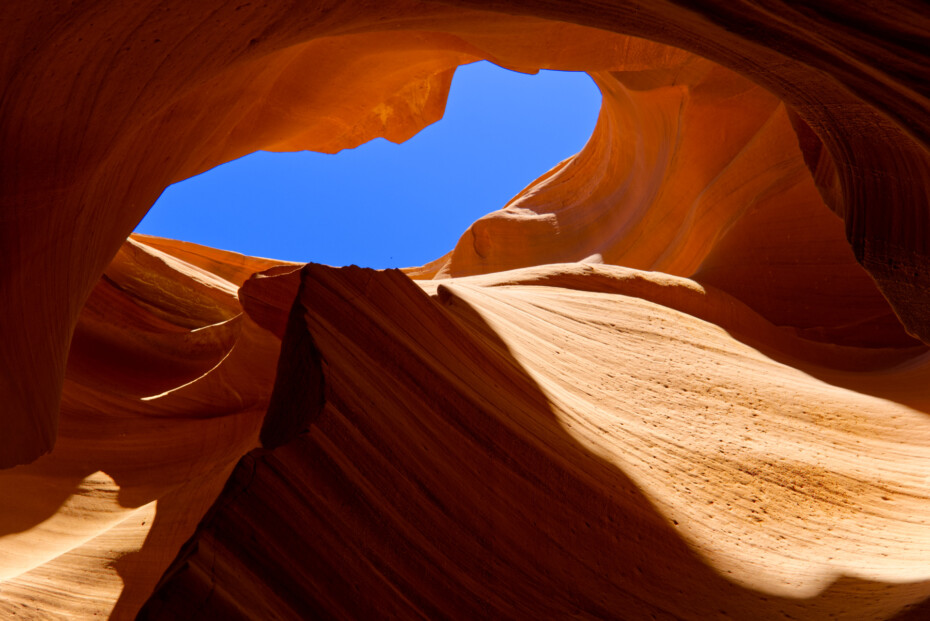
684,374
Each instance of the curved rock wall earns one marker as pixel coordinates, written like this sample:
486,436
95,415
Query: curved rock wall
675,376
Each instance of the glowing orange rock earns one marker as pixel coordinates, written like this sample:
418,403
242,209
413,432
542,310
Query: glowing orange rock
657,382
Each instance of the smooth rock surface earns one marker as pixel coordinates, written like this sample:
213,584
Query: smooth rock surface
681,375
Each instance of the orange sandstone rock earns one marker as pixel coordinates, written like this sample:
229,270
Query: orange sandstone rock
675,376
196,86
564,440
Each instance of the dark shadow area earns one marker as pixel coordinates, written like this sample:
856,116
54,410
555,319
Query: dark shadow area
438,483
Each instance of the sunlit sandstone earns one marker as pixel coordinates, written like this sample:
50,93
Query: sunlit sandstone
681,375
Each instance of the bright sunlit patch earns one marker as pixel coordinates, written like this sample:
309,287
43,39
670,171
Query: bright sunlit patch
386,205
89,512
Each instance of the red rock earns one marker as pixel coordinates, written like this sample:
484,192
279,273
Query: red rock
675,376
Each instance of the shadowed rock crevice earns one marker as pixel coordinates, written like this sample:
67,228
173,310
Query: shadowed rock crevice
298,396
198,86
440,480
728,420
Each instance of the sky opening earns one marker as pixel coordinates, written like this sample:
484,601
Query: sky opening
386,205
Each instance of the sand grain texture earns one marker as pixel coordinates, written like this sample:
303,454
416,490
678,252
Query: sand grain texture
683,374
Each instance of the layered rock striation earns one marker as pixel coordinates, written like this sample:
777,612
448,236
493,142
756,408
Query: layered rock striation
683,374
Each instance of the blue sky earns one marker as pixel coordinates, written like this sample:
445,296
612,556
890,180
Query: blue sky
385,205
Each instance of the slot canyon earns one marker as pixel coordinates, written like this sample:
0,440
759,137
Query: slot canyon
684,374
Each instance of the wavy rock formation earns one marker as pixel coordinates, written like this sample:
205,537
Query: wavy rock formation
684,374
